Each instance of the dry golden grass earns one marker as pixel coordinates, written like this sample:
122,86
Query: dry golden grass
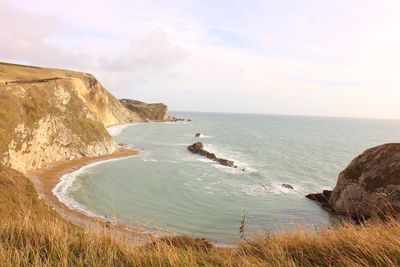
51,242
14,72
31,234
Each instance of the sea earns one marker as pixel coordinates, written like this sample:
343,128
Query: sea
167,190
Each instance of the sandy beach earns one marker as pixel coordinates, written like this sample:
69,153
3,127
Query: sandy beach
45,179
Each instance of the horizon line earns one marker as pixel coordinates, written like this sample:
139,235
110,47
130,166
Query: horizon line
289,115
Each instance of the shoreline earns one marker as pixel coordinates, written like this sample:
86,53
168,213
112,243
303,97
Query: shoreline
47,179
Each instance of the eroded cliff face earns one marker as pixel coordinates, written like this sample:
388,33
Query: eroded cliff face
48,120
147,112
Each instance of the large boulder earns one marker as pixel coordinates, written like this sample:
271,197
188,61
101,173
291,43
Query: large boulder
370,186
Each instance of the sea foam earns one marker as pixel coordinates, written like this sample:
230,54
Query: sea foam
117,129
63,188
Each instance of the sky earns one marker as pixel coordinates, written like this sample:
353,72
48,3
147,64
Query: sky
311,57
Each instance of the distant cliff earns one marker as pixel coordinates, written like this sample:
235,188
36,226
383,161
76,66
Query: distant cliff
50,114
152,112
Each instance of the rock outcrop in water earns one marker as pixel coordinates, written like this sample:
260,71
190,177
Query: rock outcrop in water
198,148
369,187
288,186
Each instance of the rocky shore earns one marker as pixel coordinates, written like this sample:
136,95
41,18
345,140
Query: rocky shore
369,188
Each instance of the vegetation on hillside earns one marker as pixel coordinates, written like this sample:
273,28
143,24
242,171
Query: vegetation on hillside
37,102
32,234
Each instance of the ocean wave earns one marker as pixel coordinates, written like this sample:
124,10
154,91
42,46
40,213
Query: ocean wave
117,129
149,160
274,188
205,136
234,156
171,144
253,190
203,159
63,187
175,122
277,188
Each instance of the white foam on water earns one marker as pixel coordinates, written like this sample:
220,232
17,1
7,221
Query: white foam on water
203,159
63,188
175,122
205,136
277,188
253,190
234,156
149,160
117,129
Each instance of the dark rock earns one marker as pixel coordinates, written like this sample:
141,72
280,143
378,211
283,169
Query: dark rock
225,162
197,135
175,119
188,120
322,198
288,186
370,186
198,148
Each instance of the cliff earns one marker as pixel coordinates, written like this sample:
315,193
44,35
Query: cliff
48,115
98,100
152,112
369,187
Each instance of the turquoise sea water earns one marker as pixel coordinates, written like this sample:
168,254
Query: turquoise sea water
172,190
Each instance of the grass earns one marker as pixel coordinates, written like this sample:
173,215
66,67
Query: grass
32,234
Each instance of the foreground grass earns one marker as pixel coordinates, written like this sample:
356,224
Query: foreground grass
54,243
32,234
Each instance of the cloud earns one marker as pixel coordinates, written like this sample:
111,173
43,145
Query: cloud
35,38
153,52
28,37
314,58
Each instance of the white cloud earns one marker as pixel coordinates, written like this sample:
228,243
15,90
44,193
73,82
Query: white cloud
153,52
313,58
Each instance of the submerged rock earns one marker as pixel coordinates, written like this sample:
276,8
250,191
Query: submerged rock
175,119
288,186
197,135
370,186
198,148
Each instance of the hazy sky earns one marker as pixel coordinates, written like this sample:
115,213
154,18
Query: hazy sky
336,58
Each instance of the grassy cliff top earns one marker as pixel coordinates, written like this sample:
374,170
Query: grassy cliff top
14,72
